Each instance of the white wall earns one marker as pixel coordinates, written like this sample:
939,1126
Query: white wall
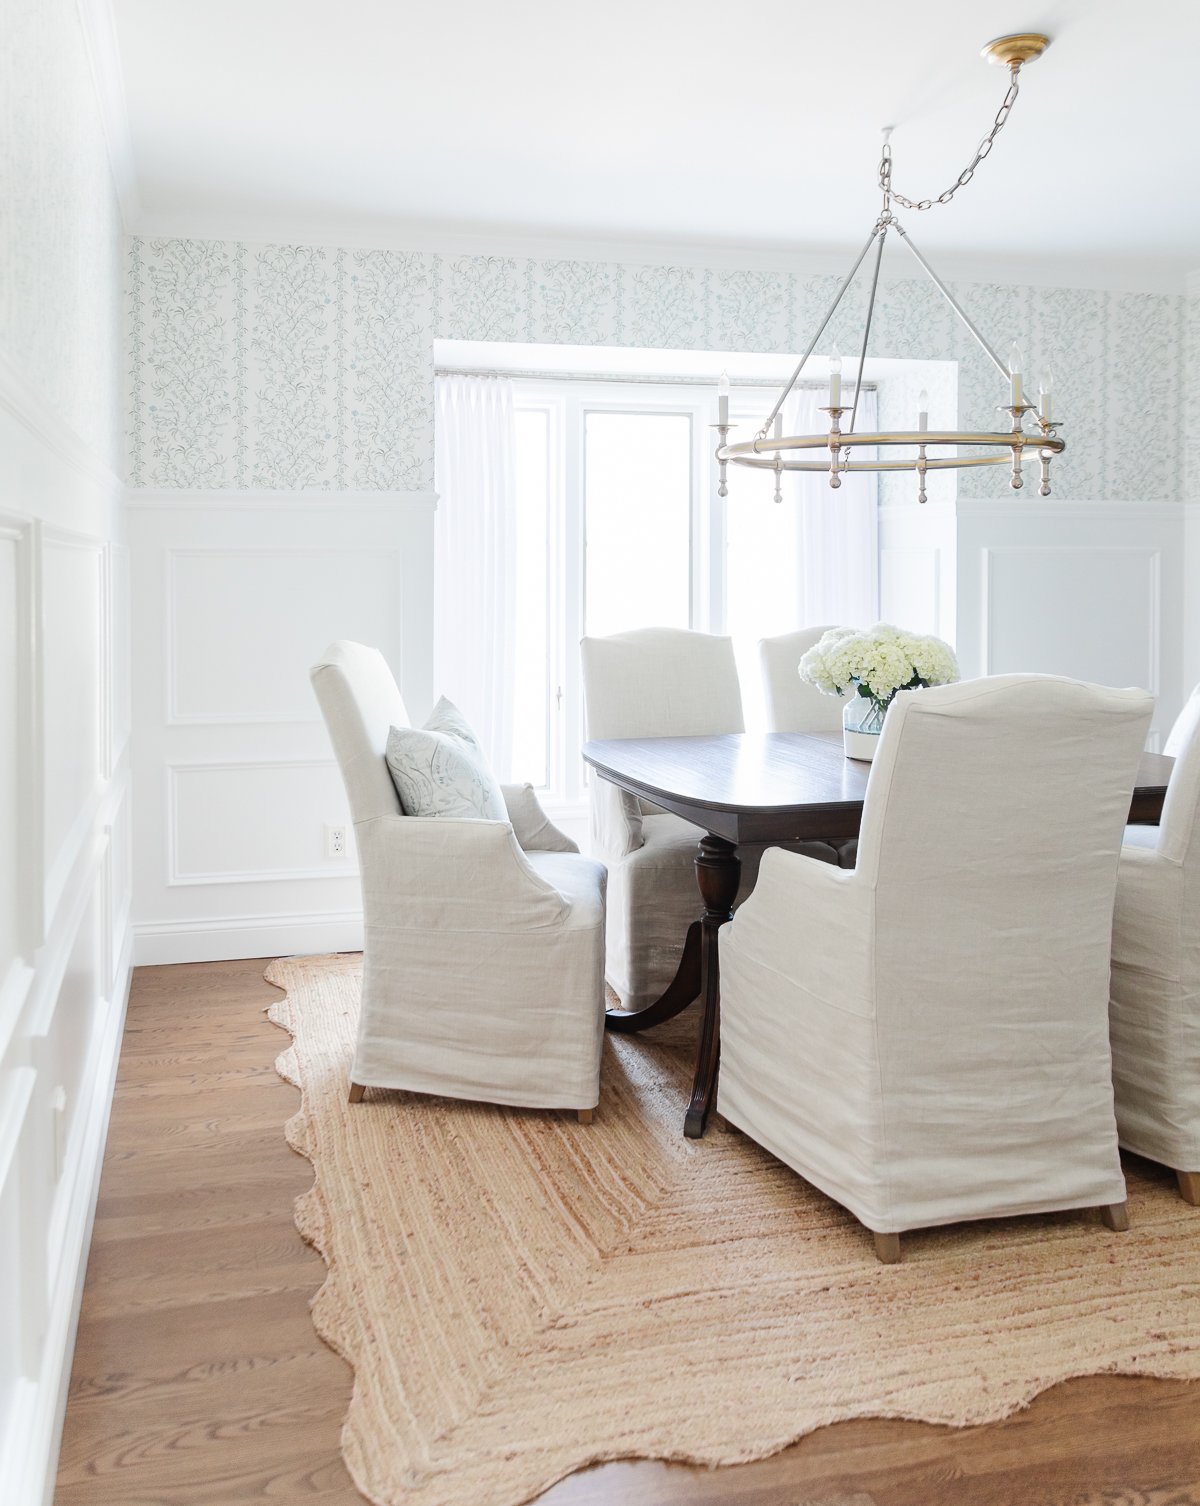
1191,489
65,834
1094,590
234,597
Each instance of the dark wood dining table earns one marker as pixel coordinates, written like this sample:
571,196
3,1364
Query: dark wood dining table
761,790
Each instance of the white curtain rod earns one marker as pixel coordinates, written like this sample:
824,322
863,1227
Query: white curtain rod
640,379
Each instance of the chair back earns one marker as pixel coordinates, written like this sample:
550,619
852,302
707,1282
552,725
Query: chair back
793,705
361,703
991,835
1181,809
660,682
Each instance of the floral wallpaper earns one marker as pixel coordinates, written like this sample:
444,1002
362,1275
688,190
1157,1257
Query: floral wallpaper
303,366
60,226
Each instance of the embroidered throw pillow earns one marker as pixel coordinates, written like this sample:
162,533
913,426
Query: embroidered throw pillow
440,769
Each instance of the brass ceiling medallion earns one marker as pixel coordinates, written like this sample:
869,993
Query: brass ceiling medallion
1022,48
921,449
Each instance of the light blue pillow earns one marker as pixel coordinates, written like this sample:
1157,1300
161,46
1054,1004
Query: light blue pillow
440,769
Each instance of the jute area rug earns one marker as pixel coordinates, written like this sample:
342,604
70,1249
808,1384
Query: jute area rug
521,1295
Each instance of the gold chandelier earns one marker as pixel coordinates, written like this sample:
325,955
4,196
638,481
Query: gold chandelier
772,450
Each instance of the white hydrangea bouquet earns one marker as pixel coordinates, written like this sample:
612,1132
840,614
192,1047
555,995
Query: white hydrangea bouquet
877,662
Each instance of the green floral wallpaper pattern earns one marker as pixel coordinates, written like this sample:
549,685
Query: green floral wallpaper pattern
304,366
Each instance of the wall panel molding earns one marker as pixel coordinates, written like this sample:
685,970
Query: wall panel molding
24,533
178,876
86,644
234,769
1067,559
199,628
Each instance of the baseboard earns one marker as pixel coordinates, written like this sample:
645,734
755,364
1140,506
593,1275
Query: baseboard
222,939
39,1412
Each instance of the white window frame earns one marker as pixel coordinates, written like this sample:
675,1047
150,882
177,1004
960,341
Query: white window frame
567,404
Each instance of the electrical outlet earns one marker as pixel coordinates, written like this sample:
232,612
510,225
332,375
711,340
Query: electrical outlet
335,841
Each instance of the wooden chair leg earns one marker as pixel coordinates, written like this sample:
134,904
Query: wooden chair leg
584,1115
887,1249
1115,1216
356,1092
1189,1187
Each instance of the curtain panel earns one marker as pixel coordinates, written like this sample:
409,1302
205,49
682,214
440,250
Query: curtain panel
475,556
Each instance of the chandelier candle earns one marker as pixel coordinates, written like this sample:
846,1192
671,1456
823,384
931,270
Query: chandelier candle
1014,371
921,449
723,400
1044,398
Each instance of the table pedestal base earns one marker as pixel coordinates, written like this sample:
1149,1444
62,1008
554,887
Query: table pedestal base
719,873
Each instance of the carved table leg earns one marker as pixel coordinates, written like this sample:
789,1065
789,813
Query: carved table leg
718,872
680,992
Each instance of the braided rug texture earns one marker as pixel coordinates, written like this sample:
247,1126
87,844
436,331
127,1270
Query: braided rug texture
521,1295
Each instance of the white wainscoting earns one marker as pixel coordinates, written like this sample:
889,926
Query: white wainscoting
1191,576
65,880
1094,590
234,595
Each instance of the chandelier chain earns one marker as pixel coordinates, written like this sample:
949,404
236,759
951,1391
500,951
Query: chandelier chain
968,172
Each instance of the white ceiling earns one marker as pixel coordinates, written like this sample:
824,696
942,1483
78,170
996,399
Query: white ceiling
752,125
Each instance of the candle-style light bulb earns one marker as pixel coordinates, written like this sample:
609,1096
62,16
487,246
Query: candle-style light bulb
723,399
835,378
1014,373
1044,385
922,410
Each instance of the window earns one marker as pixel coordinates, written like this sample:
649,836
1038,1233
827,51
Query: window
619,527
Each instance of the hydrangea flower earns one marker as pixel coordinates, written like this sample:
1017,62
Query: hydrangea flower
878,661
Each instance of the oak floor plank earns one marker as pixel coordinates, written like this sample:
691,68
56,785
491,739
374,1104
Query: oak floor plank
198,1379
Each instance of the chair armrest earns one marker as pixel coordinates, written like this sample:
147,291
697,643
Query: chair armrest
1147,914
812,923
442,874
533,827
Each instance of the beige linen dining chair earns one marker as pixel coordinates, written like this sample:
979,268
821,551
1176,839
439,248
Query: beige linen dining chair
793,705
1155,1008
925,1038
483,957
655,682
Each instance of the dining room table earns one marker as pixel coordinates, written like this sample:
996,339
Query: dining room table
747,789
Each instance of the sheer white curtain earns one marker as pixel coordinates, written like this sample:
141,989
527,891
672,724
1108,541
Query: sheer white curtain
838,533
812,559
475,556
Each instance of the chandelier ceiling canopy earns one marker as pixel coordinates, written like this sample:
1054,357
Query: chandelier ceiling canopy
921,449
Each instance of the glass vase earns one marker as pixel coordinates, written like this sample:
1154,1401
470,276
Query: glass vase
862,722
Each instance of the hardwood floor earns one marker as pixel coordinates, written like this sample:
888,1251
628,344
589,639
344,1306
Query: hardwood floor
198,1379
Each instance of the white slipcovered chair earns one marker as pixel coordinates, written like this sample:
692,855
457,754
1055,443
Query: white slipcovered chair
483,959
1155,1009
655,682
925,1038
792,705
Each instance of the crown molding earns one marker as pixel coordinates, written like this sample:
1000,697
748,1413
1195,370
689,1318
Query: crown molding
104,56
1115,273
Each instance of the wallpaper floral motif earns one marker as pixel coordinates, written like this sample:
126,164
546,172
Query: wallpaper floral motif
293,366
1191,387
60,226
